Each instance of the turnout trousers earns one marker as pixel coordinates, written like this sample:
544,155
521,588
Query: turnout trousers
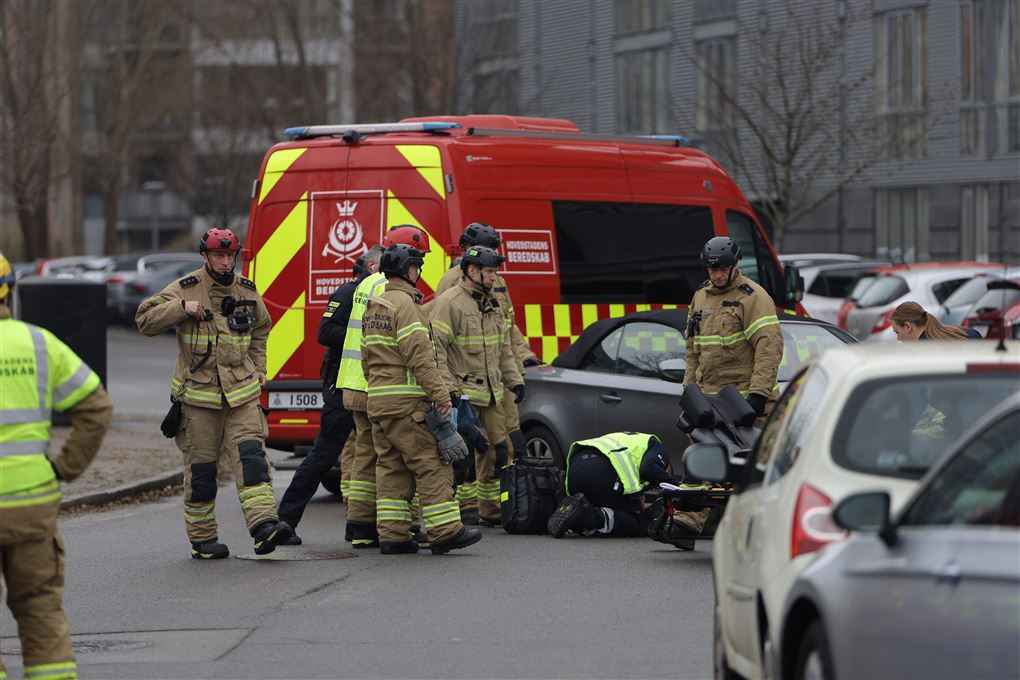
408,459
487,464
593,475
32,566
347,463
335,425
238,433
361,496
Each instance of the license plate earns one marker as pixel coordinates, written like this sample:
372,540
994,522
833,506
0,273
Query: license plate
295,401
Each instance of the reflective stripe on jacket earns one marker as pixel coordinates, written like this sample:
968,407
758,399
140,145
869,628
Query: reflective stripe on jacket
624,450
350,376
40,375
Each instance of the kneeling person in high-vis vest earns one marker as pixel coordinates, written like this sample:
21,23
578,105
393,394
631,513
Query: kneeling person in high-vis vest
605,478
40,374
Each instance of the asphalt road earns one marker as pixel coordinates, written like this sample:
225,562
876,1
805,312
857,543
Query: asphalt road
510,606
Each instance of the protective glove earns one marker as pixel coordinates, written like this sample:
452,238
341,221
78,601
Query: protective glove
757,402
518,391
470,427
451,445
533,361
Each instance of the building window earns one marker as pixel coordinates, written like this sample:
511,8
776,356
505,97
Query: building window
901,225
974,223
715,86
642,92
714,10
642,15
495,28
990,77
901,83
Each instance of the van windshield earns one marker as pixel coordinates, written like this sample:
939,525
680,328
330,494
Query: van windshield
630,252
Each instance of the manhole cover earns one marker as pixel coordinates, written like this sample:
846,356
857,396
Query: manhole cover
86,646
299,555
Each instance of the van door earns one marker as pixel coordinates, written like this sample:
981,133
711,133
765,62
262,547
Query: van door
398,184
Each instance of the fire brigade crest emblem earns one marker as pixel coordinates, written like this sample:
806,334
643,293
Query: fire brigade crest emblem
346,238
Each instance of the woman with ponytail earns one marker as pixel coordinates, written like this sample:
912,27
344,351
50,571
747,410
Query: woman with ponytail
911,323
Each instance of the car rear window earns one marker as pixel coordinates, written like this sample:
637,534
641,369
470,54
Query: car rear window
997,299
898,427
605,253
862,285
968,293
835,284
882,291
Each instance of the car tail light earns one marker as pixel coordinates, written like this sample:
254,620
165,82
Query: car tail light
116,278
813,527
140,288
843,314
884,321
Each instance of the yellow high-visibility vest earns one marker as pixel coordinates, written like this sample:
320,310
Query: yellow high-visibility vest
350,376
624,450
40,375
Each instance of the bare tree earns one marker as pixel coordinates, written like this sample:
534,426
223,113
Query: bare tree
34,86
793,128
129,81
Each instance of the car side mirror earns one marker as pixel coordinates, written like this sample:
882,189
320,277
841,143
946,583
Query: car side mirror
866,512
793,285
672,370
706,462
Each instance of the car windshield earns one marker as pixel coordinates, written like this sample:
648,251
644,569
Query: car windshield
882,291
968,293
898,427
997,299
802,341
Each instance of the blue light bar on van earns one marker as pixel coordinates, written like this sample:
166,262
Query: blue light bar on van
308,131
679,139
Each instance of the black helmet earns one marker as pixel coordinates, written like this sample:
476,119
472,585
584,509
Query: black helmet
397,259
480,234
721,251
481,257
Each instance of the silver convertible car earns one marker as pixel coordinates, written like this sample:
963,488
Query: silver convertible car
613,378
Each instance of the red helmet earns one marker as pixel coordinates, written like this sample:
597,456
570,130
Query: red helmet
407,234
218,239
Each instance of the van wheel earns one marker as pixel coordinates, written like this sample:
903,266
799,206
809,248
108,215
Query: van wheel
541,443
722,670
814,662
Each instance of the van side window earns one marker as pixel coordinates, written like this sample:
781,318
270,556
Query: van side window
756,261
630,253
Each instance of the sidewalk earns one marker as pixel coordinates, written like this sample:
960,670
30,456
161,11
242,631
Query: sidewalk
135,460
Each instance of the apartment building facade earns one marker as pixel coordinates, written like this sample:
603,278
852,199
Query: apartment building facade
920,137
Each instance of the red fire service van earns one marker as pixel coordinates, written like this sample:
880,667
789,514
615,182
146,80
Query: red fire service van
593,226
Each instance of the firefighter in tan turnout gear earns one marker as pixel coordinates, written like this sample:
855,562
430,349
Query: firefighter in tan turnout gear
482,234
222,325
409,407
733,338
475,357
39,374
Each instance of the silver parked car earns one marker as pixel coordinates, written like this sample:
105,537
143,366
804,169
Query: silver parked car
612,378
933,592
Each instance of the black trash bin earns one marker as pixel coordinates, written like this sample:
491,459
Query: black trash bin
74,310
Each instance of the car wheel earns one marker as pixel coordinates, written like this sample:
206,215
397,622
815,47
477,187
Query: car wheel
721,669
813,659
541,443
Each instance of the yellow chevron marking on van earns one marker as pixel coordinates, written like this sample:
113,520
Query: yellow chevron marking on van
427,162
278,164
286,337
284,243
436,262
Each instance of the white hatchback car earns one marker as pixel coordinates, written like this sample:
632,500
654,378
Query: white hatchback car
859,417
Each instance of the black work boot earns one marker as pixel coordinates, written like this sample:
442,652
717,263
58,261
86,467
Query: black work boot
209,550
363,536
463,539
574,513
270,534
420,537
402,548
294,539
